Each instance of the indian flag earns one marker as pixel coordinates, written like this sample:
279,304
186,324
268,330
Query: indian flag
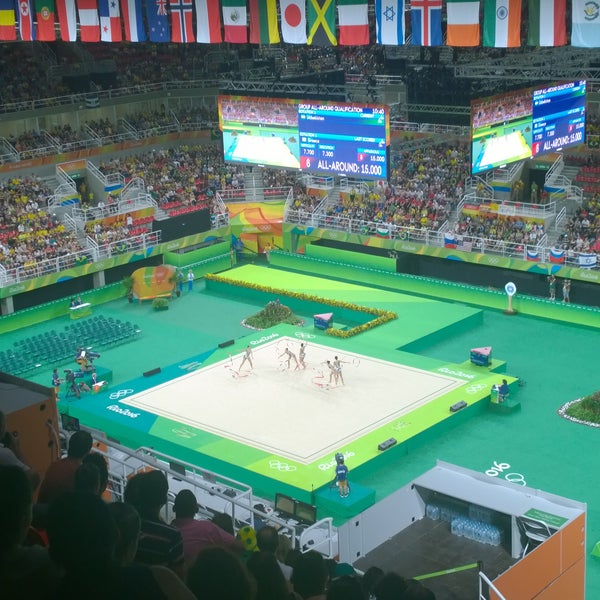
462,23
502,23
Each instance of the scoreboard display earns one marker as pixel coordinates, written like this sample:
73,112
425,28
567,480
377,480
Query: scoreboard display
319,137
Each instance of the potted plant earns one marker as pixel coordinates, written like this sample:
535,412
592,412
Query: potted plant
160,304
128,285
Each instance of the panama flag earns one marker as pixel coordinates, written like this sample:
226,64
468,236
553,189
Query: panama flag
390,22
235,21
426,20
463,23
110,21
133,20
293,21
353,22
547,23
45,20
502,23
585,28
182,21
208,22
67,19
89,23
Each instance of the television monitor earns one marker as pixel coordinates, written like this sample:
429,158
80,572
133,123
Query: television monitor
285,505
69,423
179,469
306,513
558,117
501,130
260,131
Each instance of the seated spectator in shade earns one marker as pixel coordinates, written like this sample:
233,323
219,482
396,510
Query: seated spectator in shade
159,543
224,521
390,586
87,479
128,523
60,476
25,572
10,453
417,591
270,582
83,539
310,576
198,534
267,540
217,573
346,587
247,537
97,460
370,578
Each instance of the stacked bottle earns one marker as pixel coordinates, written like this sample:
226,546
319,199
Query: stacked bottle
479,531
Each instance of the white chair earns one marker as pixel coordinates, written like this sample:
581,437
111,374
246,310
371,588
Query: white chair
533,533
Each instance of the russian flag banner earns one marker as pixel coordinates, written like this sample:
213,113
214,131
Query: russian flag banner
556,256
533,255
449,240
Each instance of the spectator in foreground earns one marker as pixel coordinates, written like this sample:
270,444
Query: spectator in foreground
159,543
60,476
270,582
267,540
10,453
310,576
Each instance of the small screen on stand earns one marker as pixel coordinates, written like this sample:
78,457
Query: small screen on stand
306,513
285,505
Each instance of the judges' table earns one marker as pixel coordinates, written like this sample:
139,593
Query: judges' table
80,311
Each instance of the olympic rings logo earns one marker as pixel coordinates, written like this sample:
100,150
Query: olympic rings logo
281,466
474,388
516,478
304,336
120,394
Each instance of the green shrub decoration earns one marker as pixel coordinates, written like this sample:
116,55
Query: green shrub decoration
588,409
273,314
382,316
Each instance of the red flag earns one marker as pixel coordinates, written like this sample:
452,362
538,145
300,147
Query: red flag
67,18
45,21
89,22
8,31
26,20
182,19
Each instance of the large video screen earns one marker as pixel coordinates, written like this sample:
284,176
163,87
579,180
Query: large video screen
526,123
319,137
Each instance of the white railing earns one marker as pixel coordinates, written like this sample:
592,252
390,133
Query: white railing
525,209
554,170
483,581
560,218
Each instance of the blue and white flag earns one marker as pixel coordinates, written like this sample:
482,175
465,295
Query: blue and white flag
390,22
585,29
587,260
158,21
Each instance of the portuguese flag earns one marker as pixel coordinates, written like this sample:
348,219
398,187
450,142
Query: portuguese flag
45,15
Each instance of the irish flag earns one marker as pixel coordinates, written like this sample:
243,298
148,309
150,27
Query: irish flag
353,22
235,21
502,23
547,23
462,23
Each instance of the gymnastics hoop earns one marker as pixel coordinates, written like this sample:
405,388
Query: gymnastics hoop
356,362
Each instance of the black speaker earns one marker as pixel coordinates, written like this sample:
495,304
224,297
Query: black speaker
387,444
456,407
152,372
227,343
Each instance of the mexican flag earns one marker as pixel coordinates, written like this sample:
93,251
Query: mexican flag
235,21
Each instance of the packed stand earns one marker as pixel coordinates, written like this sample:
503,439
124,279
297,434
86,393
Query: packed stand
28,233
79,540
582,232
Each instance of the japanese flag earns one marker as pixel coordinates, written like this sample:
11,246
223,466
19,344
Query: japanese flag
293,21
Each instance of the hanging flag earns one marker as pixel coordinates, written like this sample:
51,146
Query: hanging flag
44,10
263,22
110,21
426,21
465,246
502,23
182,21
533,255
8,31
26,29
585,27
449,240
158,24
293,21
235,21
321,23
382,232
587,260
556,256
133,20
67,19
353,22
390,22
547,23
89,23
462,23
208,22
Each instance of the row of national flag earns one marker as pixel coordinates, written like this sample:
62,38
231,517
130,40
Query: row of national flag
491,23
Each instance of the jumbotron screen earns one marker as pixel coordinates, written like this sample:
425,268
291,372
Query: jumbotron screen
319,137
526,123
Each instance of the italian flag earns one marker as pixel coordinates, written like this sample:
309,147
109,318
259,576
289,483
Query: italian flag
547,23
263,22
502,23
462,23
353,22
235,21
